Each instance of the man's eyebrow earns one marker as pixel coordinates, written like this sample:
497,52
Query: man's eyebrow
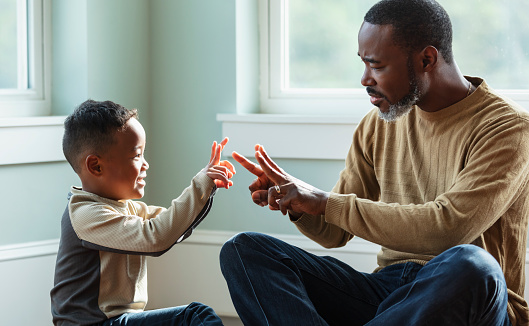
366,59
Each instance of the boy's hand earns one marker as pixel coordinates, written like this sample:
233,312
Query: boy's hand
219,171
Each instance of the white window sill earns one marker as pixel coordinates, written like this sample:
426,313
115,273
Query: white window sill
289,136
31,140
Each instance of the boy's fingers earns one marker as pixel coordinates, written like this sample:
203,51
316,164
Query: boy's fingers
218,150
222,184
213,149
228,165
224,142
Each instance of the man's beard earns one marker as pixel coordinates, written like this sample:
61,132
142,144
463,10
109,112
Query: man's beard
402,107
405,104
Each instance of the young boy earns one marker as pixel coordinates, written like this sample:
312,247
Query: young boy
100,274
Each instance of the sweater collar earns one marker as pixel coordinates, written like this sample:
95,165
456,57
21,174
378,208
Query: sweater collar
459,107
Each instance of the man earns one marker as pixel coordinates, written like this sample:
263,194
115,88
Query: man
437,174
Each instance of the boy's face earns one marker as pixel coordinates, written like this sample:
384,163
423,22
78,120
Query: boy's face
123,163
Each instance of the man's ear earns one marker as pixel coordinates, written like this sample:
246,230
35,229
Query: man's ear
429,57
93,165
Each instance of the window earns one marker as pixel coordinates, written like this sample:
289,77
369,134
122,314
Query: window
309,61
24,58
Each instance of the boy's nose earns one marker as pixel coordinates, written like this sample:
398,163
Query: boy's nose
145,165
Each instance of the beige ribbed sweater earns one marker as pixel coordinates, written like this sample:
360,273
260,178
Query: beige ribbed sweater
434,180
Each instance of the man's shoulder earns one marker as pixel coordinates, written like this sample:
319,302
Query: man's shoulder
500,108
503,105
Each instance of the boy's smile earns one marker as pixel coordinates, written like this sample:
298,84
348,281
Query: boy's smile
123,164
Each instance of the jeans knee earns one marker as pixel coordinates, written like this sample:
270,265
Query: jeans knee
228,252
474,263
199,307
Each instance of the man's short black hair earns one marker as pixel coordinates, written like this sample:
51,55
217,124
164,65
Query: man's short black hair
416,24
91,128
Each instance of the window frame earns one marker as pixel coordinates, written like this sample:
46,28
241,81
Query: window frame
276,99
36,99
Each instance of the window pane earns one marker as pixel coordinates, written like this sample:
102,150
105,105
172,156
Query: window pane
323,43
492,42
8,43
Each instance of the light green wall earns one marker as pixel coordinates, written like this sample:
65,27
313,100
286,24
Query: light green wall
33,200
69,55
100,51
180,63
193,79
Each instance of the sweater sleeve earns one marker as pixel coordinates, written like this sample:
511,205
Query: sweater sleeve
135,228
357,177
496,167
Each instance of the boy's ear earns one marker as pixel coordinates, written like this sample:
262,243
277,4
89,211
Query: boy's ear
93,165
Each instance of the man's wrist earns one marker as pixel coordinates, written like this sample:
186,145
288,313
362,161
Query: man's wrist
294,216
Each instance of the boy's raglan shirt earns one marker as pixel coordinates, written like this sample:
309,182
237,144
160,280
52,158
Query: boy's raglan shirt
101,267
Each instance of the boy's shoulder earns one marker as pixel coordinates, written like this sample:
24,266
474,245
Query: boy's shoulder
86,203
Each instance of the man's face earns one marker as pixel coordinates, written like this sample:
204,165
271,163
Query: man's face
389,75
124,165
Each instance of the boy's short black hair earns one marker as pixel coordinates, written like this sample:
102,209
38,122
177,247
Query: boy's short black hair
91,128
416,24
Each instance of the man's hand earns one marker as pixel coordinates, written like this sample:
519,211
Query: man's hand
259,187
279,190
219,171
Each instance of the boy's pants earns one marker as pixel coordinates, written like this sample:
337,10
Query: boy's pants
194,314
274,283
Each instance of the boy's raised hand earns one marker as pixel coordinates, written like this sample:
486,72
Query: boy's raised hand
219,171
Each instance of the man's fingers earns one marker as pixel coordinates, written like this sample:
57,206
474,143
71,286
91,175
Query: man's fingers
268,159
284,204
260,197
273,197
271,173
247,164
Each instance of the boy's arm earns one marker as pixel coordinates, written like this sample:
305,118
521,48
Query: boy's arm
136,228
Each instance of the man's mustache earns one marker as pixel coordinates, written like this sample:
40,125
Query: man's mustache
372,92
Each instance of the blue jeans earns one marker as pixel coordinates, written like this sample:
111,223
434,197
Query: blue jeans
194,314
274,283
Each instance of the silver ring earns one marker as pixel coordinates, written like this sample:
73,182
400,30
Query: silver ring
278,190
